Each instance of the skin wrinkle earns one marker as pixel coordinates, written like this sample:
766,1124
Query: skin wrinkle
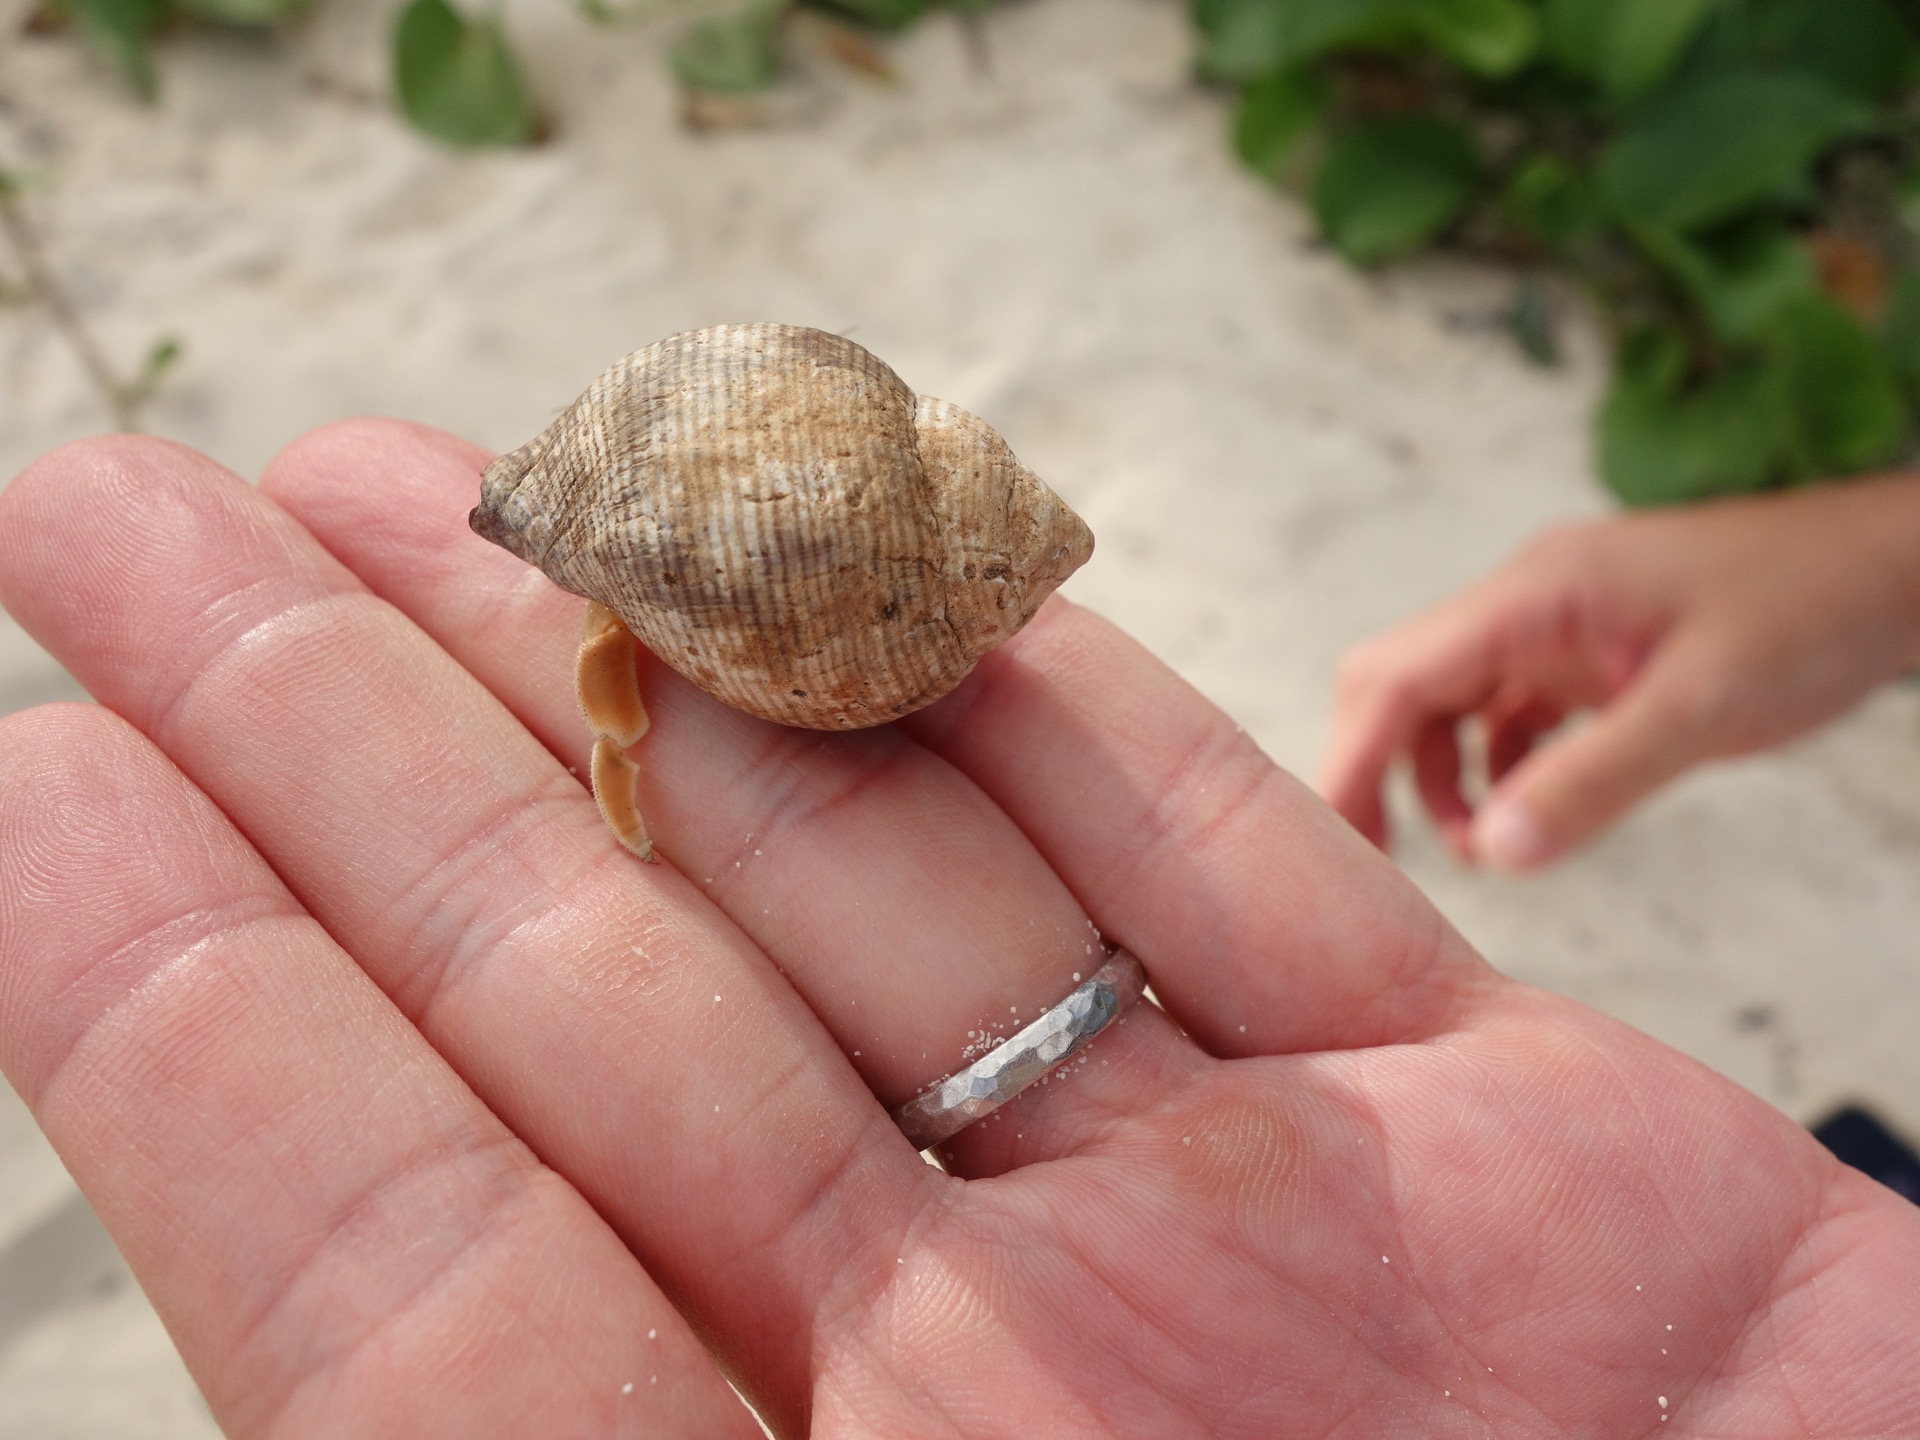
1809,1218
789,799
492,838
1218,753
1627,1090
1115,1277
1426,991
454,949
410,1167
875,1420
654,940
855,1164
1722,1364
1096,1115
1816,1283
468,1145
498,1219
843,1324
1170,1341
1476,1360
1544,1198
155,495
851,1297
958,1424
216,924
1494,1096
161,712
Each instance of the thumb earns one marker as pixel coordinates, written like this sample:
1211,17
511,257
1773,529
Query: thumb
1569,790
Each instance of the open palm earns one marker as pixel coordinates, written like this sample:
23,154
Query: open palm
422,1109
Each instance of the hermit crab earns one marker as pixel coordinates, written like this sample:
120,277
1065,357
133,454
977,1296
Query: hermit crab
772,512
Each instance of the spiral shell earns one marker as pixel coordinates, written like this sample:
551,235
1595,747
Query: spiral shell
777,516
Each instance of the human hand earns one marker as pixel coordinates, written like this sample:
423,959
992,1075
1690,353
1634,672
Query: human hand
421,1109
1694,635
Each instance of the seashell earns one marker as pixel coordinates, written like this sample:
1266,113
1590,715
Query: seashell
773,513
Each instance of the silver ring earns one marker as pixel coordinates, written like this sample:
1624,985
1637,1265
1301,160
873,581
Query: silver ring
1023,1057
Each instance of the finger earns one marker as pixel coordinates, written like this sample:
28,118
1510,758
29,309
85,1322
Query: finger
1566,792
340,1237
604,1010
1438,667
1267,925
1436,774
1515,723
916,919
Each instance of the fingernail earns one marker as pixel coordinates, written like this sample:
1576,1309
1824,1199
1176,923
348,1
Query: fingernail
1507,836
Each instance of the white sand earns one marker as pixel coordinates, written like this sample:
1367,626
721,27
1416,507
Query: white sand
1278,455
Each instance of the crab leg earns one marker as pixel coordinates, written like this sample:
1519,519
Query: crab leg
605,680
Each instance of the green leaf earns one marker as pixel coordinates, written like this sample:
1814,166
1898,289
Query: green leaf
883,14
1663,441
1241,40
1273,115
456,78
118,31
735,53
1741,279
160,358
1863,48
1717,146
1531,320
241,12
1900,330
1627,47
1551,202
1840,392
1488,37
1390,185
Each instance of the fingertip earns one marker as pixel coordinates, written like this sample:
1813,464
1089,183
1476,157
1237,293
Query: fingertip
402,492
1565,792
99,470
1507,835
378,470
100,517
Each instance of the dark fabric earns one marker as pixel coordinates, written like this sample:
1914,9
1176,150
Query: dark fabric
1858,1138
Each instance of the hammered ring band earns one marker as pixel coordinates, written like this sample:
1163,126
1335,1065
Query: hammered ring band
945,1109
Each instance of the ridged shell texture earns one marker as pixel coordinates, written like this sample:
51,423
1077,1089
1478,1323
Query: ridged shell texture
778,517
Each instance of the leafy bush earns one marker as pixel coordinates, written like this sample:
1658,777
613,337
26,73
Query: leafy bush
1731,180
1736,183
455,76
122,31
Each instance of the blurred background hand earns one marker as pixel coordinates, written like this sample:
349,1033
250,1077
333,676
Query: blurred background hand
1691,635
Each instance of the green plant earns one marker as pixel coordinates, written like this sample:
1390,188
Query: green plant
124,396
1736,183
454,75
741,51
456,78
1733,181
122,31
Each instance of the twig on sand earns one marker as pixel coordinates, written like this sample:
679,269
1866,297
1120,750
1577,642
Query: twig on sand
124,399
